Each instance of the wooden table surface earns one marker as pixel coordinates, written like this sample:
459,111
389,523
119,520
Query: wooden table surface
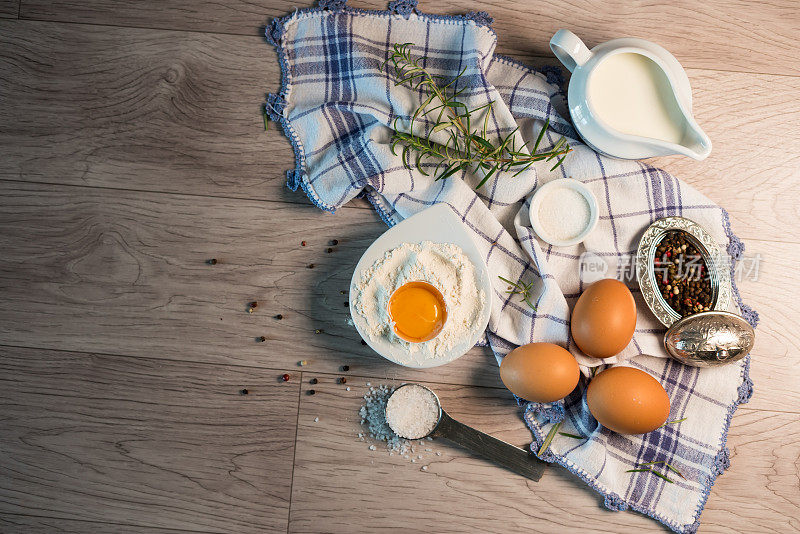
133,151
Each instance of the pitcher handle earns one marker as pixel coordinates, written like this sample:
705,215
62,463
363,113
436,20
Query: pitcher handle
569,49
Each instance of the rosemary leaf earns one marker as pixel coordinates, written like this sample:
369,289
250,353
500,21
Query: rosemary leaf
441,126
560,161
486,178
450,171
673,422
541,135
659,475
548,439
506,280
483,142
668,466
575,436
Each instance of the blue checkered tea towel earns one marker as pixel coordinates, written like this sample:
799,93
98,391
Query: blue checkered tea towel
336,106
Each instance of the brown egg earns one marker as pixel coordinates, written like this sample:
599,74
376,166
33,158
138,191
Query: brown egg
604,318
540,372
627,400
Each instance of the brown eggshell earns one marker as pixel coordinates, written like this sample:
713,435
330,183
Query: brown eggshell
540,372
627,400
604,318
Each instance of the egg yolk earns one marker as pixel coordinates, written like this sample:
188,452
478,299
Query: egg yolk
418,311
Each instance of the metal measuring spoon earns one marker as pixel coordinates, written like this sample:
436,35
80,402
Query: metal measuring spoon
514,458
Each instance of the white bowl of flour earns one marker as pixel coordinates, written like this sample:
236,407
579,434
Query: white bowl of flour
432,246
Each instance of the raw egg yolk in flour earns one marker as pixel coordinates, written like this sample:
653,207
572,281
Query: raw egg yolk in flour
418,311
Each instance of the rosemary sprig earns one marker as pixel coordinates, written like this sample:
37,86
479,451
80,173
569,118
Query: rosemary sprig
520,289
656,473
458,146
668,466
642,469
548,439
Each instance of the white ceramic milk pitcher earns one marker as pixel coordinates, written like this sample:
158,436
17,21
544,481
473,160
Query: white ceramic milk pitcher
630,98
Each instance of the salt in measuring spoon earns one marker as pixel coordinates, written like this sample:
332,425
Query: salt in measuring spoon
514,458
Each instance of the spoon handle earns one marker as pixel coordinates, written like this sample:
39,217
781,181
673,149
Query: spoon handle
514,458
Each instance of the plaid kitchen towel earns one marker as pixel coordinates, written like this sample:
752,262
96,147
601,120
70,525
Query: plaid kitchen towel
336,106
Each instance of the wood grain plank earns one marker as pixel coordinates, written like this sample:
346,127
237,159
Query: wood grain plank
746,36
140,109
125,273
342,486
145,442
179,112
29,524
9,9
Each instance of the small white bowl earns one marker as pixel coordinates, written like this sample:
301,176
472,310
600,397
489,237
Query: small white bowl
536,202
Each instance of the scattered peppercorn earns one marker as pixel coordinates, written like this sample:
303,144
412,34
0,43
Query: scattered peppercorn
279,317
310,265
311,392
302,243
334,242
345,368
244,392
343,380
302,363
328,250
261,339
313,381
254,304
343,292
317,331
212,261
346,304
285,377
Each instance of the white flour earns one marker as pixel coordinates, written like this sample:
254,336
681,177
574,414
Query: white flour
443,265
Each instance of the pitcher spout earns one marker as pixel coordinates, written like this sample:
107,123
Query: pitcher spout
695,144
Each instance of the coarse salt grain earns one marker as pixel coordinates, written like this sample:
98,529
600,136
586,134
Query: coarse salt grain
412,411
316,419
564,213
373,417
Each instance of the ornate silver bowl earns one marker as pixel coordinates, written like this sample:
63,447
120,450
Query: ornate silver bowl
716,263
708,339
